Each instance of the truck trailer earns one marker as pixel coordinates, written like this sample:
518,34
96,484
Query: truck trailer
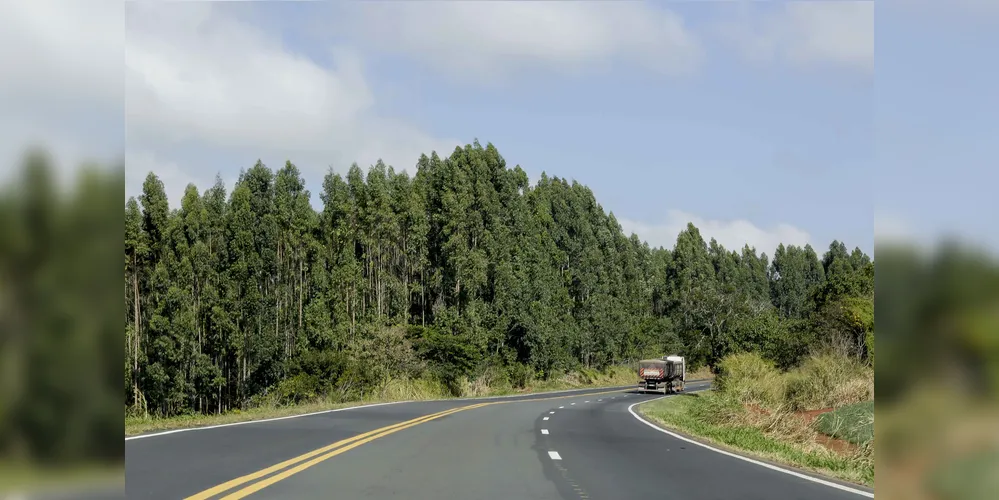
668,373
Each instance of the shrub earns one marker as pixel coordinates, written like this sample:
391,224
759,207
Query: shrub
837,381
718,408
750,378
297,389
521,375
799,391
820,382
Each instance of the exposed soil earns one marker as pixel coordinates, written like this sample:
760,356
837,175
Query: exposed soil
811,415
839,446
835,445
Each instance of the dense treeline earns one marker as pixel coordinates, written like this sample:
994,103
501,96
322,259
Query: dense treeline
241,295
60,314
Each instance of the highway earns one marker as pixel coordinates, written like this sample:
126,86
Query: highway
579,445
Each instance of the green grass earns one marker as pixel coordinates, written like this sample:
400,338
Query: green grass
853,423
140,425
26,477
396,390
691,414
970,477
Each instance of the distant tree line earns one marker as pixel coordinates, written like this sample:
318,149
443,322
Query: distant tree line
237,295
60,336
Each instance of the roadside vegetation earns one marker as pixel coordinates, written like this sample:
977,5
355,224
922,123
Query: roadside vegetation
938,400
460,279
292,400
492,383
818,416
853,423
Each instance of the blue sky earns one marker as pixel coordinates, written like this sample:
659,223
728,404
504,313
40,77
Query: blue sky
761,122
936,121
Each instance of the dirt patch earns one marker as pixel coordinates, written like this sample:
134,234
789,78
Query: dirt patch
756,409
810,415
839,446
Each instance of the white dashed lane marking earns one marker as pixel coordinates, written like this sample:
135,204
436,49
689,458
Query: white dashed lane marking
573,403
554,455
544,431
560,407
552,412
546,418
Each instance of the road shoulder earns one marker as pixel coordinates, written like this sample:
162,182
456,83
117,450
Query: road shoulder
164,428
640,411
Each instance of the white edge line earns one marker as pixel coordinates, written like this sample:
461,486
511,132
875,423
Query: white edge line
174,431
746,459
554,455
544,431
186,429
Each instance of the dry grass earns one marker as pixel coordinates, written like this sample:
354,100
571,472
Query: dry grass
761,410
702,373
779,438
489,383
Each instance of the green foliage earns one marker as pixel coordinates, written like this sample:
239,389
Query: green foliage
853,423
750,378
461,276
452,355
820,381
720,420
297,389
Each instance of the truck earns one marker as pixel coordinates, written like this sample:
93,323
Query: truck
668,373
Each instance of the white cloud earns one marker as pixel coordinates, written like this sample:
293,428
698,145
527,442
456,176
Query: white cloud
61,87
43,48
175,179
732,234
195,75
487,40
892,228
806,33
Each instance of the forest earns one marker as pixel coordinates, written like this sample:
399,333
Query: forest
464,267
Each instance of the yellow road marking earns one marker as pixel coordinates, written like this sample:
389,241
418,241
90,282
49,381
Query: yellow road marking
255,487
335,449
565,397
256,475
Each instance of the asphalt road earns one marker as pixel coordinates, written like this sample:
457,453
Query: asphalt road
581,445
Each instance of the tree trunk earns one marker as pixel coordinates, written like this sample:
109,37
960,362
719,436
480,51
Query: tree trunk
301,290
136,338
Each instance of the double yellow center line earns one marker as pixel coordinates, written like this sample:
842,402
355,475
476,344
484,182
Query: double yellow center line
316,457
298,464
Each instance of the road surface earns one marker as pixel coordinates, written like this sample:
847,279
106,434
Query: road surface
581,445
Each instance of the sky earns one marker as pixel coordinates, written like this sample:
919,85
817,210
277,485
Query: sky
760,122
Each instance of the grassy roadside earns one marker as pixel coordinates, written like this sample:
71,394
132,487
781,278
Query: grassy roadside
25,479
853,423
761,412
398,390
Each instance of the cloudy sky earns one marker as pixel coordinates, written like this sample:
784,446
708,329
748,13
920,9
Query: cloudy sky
761,122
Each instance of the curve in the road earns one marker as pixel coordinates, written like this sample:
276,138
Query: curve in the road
747,459
526,397
580,446
298,464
